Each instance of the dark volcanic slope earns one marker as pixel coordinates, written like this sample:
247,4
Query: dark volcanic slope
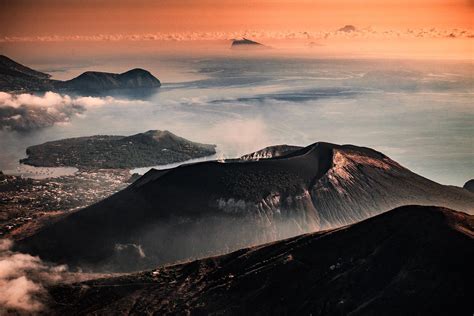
16,77
211,207
145,149
410,261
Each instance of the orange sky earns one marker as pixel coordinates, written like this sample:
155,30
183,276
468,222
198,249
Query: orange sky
84,17
389,28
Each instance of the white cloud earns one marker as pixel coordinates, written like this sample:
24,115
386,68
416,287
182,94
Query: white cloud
364,32
26,111
23,279
91,101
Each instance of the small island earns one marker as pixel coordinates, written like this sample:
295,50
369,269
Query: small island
117,152
245,43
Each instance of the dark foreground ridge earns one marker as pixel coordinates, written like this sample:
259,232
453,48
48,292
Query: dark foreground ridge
141,150
413,260
211,208
16,77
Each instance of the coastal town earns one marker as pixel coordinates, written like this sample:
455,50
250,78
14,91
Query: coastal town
63,176
27,201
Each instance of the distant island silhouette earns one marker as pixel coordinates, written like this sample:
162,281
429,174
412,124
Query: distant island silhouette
17,77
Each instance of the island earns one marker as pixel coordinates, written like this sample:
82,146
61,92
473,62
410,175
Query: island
245,43
95,80
15,77
147,149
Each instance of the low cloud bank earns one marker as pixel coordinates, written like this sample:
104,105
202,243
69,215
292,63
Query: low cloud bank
25,112
23,279
347,31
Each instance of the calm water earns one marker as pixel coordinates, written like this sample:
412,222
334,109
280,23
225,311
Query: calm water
418,113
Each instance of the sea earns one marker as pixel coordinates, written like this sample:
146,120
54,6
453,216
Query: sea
418,112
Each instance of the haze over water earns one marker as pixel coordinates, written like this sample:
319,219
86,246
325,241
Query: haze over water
419,113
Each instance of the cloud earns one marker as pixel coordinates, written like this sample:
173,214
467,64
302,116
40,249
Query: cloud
348,28
25,112
23,279
348,31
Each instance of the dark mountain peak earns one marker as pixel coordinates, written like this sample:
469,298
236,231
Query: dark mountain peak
246,43
91,78
154,132
469,185
14,76
94,80
139,74
11,65
420,218
442,216
153,135
385,265
136,71
164,137
364,153
95,74
157,134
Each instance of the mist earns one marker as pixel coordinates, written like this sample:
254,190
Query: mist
26,112
244,103
417,113
23,280
183,239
